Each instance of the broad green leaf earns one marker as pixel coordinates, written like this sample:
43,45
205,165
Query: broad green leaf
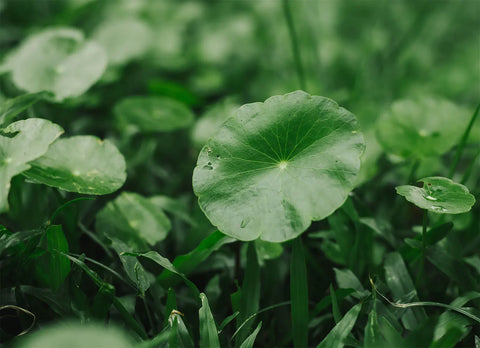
123,38
449,340
211,120
58,265
250,340
337,336
275,166
11,108
82,164
134,220
250,294
208,328
20,143
152,114
421,128
73,334
299,295
57,60
439,195
400,283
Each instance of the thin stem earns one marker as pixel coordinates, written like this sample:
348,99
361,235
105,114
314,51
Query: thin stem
294,43
424,246
463,141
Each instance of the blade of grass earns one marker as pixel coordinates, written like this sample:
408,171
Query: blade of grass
208,328
299,294
250,340
227,321
336,311
170,305
129,319
463,141
336,337
179,336
250,294
59,266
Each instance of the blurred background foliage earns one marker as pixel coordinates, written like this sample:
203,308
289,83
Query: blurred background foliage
201,60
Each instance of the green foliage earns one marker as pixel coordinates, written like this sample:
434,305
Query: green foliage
268,170
173,212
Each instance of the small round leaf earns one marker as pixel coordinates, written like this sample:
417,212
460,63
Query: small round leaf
82,164
421,128
439,195
134,220
275,166
152,114
58,61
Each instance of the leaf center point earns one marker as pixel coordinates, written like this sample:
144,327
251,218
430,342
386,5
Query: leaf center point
282,165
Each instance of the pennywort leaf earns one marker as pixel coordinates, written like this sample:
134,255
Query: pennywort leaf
82,164
275,166
439,195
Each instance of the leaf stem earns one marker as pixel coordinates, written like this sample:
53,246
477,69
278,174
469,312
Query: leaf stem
294,43
463,141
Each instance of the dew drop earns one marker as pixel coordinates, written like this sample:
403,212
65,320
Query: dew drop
437,208
430,198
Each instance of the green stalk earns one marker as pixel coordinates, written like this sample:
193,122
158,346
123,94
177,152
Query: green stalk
463,141
424,246
299,295
294,43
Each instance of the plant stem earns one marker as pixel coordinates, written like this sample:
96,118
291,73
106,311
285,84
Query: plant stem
294,43
424,246
463,141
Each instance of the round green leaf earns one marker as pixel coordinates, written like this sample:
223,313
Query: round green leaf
76,335
152,114
276,166
59,61
124,39
20,143
439,195
82,164
134,220
421,128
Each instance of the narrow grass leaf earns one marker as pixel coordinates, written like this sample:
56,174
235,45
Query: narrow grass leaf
250,295
373,337
299,294
227,321
390,334
59,266
337,316
103,301
11,108
449,340
337,336
208,328
250,340
170,305
165,263
340,294
399,281
179,336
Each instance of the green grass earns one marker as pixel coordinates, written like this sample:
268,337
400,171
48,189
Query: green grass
141,205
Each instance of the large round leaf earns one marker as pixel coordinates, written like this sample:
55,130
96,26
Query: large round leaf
152,114
20,143
59,61
275,166
83,164
421,128
439,195
76,335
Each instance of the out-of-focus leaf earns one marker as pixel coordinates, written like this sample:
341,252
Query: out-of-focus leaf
133,220
123,38
173,90
58,265
275,166
208,328
439,195
337,336
152,114
57,60
174,207
65,334
421,128
400,284
82,164
20,143
347,280
250,340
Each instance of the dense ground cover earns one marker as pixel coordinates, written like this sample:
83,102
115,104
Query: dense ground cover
180,173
